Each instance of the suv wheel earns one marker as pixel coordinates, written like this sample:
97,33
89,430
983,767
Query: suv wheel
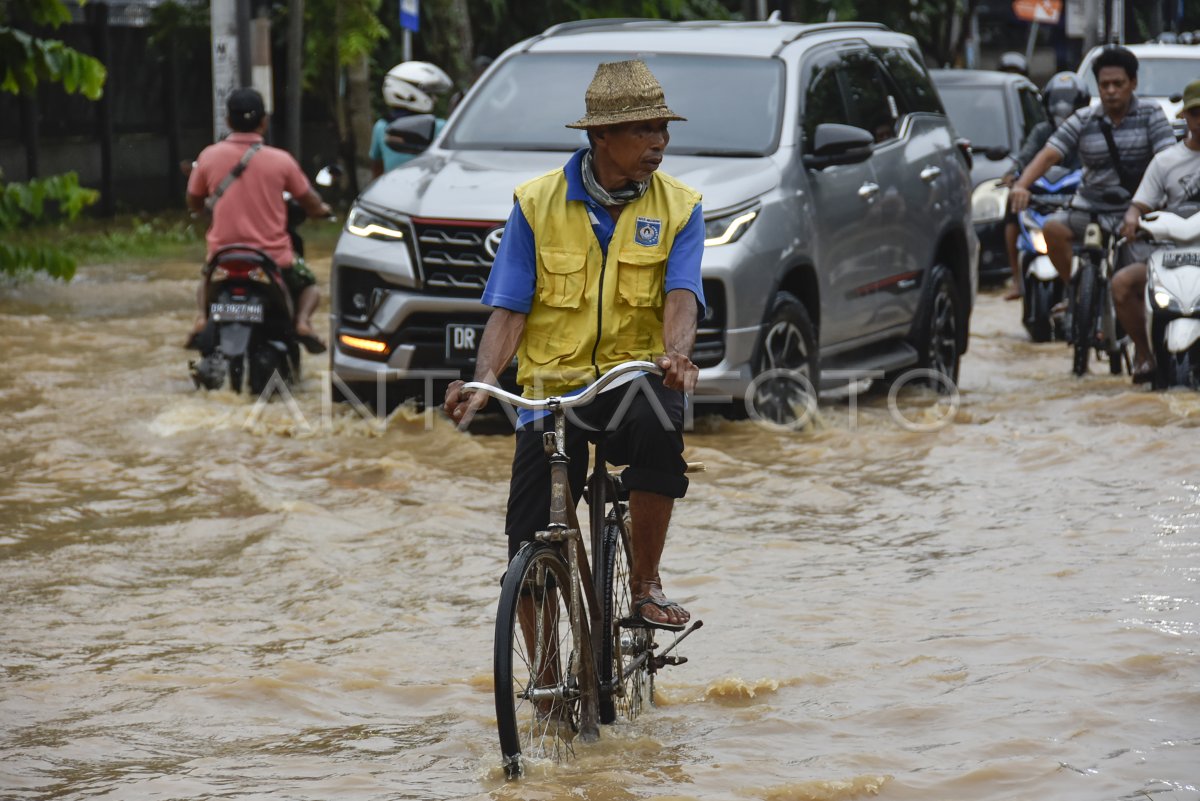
937,332
786,370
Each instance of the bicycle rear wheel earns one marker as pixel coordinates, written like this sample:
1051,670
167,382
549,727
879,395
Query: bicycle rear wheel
538,672
625,651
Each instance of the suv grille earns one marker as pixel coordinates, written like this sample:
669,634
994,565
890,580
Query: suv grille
454,255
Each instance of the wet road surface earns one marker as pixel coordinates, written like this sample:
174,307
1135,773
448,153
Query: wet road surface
204,598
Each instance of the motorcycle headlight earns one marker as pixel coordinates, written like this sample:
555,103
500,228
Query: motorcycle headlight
729,227
361,222
989,201
1038,239
1162,298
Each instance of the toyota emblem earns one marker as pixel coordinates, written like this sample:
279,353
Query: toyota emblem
491,242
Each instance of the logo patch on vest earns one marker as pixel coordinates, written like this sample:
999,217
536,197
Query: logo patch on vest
647,231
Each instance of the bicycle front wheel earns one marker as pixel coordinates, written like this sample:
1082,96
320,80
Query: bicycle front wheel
539,674
625,650
1087,296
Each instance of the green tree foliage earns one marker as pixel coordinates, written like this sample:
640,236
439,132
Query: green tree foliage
26,61
338,33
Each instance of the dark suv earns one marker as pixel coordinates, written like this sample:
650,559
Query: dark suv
836,202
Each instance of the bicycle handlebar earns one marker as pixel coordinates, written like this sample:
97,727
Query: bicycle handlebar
563,401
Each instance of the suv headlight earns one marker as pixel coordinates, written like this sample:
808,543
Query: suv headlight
989,202
361,222
728,227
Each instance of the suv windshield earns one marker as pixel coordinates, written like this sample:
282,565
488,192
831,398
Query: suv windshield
1157,77
978,113
732,104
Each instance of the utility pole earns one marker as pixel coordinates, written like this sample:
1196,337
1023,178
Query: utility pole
295,74
1091,24
226,72
261,74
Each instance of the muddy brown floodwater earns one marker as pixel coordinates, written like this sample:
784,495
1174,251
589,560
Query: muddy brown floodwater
207,599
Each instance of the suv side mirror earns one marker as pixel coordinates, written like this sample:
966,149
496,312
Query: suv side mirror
411,134
834,143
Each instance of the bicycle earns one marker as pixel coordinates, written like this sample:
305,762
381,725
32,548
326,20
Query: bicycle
1094,323
566,657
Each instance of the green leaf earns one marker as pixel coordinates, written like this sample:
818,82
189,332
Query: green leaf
25,60
17,259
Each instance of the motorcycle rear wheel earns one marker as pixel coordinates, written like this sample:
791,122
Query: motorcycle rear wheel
237,370
265,361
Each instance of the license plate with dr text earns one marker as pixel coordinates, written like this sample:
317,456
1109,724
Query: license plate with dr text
462,341
236,312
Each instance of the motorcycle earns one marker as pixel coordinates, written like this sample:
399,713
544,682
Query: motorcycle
1041,287
1173,295
250,335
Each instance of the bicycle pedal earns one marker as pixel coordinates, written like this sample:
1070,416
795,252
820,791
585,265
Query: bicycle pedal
668,661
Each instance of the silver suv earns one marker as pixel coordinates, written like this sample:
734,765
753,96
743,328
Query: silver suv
836,203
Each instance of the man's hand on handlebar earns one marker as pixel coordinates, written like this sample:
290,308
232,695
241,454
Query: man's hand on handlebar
678,372
461,408
1018,199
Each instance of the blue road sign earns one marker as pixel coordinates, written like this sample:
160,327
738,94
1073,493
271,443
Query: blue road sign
410,14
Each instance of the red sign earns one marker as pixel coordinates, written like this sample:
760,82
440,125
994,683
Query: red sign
1047,11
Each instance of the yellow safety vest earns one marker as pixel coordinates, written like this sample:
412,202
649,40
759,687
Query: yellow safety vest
591,312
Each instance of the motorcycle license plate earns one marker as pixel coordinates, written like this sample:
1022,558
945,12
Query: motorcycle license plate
1186,258
236,312
462,341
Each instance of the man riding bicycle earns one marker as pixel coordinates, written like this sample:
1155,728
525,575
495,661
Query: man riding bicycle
600,264
1114,141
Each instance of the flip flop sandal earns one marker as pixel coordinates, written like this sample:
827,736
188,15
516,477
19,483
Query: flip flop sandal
311,343
655,624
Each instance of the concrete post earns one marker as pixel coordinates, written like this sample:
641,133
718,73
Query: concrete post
1091,24
226,77
261,73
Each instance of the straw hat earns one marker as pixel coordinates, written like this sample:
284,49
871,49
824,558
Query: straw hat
624,91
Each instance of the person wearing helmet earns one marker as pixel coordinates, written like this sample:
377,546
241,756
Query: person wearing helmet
1063,95
408,88
1013,62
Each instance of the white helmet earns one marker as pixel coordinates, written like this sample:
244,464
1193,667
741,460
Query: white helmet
409,86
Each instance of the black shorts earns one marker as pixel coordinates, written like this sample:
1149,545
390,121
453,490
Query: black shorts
641,425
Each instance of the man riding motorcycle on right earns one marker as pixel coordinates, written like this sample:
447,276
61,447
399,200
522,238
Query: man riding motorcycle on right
1115,142
1172,178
